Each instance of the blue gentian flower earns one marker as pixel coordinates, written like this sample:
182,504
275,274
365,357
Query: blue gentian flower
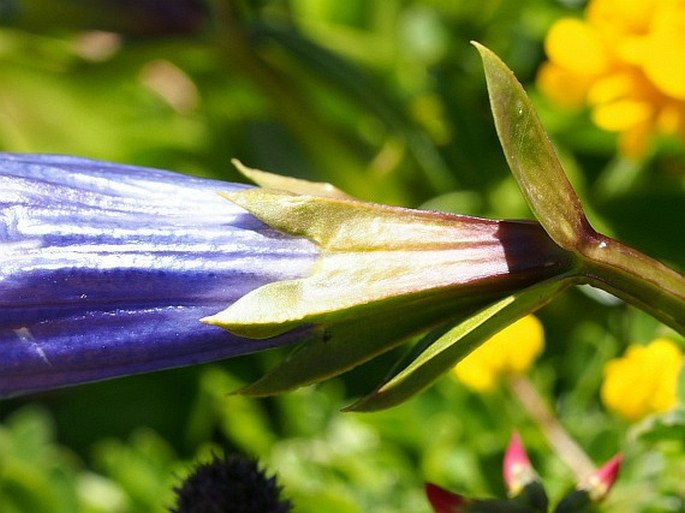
106,269
109,270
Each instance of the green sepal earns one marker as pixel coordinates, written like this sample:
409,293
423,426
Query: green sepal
443,354
373,254
333,349
287,183
531,156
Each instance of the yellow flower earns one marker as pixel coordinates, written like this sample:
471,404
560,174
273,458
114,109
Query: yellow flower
644,380
625,60
511,351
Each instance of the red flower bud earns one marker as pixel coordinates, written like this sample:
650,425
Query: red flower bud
444,501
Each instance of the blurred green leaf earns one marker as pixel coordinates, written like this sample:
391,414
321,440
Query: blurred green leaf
241,419
365,92
35,475
667,426
140,468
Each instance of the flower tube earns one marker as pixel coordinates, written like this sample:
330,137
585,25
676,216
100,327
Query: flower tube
109,270
105,270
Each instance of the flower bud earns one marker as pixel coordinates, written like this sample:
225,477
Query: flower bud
444,501
599,483
517,469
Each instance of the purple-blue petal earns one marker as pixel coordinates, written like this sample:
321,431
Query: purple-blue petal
106,270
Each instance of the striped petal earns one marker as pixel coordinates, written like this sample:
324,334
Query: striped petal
106,270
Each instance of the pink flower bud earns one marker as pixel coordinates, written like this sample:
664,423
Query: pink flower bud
517,469
600,482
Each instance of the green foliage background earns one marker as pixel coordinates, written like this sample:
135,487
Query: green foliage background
387,100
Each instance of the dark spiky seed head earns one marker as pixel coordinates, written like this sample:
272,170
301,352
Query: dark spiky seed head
230,484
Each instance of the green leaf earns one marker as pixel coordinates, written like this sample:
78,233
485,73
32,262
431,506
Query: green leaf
604,262
531,157
360,88
455,344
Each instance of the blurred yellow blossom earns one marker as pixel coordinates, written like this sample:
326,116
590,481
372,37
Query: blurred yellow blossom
644,380
626,61
511,351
